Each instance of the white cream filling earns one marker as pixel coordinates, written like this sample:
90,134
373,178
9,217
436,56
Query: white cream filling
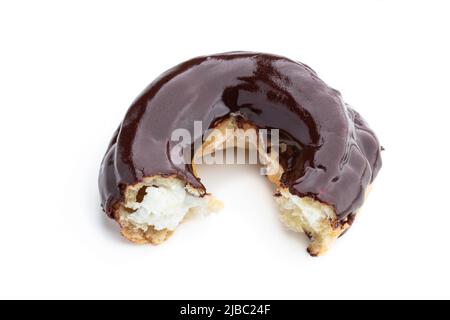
164,207
311,212
312,215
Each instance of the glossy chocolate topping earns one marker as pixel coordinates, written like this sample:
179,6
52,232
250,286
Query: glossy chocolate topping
331,155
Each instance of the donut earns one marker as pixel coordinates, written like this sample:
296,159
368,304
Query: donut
327,161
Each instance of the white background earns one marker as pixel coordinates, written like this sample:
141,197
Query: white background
69,71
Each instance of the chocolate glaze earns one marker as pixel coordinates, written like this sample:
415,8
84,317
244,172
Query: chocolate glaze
332,154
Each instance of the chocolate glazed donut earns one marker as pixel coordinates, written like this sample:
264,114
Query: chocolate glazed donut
330,158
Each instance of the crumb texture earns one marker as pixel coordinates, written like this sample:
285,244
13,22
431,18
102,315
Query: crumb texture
154,208
164,207
316,220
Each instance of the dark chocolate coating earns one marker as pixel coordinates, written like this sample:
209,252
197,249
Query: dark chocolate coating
332,155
